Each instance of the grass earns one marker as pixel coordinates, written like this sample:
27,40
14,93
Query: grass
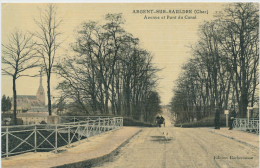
205,122
132,122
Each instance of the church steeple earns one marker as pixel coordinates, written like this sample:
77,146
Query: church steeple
40,93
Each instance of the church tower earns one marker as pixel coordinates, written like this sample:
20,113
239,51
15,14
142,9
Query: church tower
40,93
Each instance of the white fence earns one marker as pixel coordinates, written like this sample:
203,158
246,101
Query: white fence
68,119
49,137
243,124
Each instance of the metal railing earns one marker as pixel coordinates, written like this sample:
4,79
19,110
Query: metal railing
67,119
243,124
49,137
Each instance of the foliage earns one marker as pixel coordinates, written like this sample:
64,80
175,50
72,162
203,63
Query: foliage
152,107
6,103
205,122
60,105
130,122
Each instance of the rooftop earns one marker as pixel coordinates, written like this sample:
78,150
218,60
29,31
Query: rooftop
26,96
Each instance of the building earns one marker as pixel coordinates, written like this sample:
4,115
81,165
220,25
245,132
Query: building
29,118
27,102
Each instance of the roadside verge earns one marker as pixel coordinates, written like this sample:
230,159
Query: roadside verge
99,160
246,138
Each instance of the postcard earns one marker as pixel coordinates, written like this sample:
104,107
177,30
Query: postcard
130,84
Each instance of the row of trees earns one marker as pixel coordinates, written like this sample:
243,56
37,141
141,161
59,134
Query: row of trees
109,73
223,70
26,51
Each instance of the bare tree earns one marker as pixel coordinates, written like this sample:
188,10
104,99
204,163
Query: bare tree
47,43
223,69
18,55
109,73
241,30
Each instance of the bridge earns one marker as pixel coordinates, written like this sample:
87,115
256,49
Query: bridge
117,146
49,137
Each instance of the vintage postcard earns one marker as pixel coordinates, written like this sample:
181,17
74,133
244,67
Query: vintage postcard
130,84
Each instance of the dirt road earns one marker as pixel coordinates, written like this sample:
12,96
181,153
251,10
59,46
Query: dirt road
171,147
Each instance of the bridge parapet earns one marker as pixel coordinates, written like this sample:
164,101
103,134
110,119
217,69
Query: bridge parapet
49,137
243,124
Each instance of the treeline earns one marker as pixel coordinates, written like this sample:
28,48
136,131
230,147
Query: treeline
109,73
6,103
223,70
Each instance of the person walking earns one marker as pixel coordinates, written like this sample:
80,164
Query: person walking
217,119
231,118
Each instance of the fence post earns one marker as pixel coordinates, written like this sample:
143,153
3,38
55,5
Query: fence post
69,135
111,123
87,129
107,124
6,139
114,123
74,120
35,138
78,132
256,126
56,138
99,125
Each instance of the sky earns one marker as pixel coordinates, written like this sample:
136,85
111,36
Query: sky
168,40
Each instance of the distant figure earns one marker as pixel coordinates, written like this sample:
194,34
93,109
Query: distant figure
217,119
162,120
231,118
158,121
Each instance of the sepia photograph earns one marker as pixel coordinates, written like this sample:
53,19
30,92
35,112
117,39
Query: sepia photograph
112,84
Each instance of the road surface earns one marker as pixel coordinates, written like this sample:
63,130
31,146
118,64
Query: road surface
171,147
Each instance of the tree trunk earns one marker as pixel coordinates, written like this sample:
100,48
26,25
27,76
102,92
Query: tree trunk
102,105
14,97
244,94
49,93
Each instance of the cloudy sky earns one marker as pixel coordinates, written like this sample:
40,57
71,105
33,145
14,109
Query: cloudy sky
167,39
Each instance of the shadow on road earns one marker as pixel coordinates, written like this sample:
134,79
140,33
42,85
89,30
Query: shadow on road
161,139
